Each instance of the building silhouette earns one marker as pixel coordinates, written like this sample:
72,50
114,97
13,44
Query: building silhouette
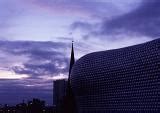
63,97
121,80
33,106
69,104
59,91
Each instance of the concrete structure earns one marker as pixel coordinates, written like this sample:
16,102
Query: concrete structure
120,80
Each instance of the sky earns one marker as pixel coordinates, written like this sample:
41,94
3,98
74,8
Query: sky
36,35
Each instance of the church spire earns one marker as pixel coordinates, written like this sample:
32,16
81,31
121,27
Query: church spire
72,60
69,100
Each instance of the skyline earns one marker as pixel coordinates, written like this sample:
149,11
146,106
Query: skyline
36,35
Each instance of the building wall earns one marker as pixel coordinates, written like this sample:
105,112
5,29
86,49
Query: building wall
125,79
59,91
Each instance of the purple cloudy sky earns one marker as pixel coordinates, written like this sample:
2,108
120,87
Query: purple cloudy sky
35,38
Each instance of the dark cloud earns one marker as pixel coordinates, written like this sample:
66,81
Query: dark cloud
81,25
144,20
27,47
44,54
88,29
34,50
36,70
44,58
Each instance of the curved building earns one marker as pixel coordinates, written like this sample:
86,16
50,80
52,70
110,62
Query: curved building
125,79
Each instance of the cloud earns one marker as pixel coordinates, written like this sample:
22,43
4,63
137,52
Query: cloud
38,61
82,8
11,75
45,69
42,58
144,20
81,25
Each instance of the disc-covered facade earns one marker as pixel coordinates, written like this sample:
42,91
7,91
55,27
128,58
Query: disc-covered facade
125,79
